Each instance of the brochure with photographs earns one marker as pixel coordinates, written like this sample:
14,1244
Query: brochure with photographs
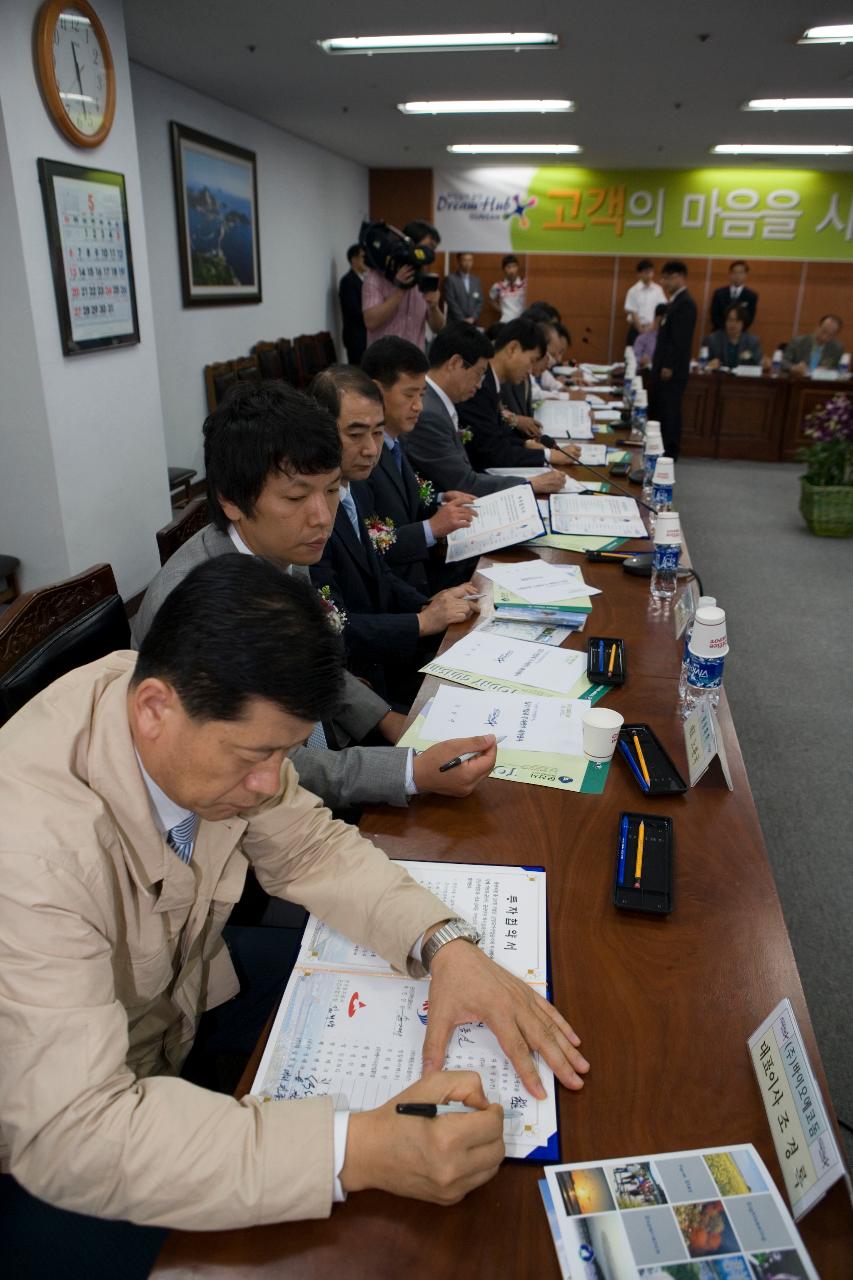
684,1215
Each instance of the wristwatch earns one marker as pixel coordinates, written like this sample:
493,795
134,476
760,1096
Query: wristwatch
448,932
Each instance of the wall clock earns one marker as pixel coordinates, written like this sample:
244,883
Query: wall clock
75,70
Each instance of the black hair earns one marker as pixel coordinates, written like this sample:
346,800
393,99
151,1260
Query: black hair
563,331
418,229
539,311
237,628
739,310
258,429
353,251
463,252
530,336
739,262
674,268
494,331
389,358
460,339
508,258
333,383
661,309
645,264
830,315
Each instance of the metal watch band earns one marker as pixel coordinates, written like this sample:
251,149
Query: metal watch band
448,932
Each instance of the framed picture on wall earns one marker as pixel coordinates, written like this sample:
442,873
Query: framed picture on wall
89,239
216,197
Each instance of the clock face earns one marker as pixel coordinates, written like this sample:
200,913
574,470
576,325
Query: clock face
80,70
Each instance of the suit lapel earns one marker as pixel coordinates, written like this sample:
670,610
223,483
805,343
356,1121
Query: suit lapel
353,545
389,468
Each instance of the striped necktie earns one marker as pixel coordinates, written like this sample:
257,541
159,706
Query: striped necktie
181,838
348,504
317,739
397,455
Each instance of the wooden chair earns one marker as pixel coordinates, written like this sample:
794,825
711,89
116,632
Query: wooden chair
52,630
193,517
180,479
311,356
269,360
219,377
291,370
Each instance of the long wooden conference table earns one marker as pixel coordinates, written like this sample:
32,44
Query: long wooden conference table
663,1006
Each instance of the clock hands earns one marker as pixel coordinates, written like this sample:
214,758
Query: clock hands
79,80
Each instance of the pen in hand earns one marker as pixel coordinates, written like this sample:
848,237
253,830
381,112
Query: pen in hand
466,755
429,1110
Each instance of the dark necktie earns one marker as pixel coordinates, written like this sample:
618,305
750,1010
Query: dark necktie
397,455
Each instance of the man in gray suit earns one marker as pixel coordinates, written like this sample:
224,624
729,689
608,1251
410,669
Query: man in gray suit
459,361
272,460
818,350
463,292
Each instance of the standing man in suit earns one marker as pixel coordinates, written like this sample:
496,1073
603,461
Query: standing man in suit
421,523
392,629
734,293
463,292
818,350
671,364
349,292
459,362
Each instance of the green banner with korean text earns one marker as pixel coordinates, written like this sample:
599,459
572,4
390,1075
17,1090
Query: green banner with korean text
755,213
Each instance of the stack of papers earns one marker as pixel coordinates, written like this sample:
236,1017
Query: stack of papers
503,519
566,418
530,632
541,737
607,415
602,515
484,661
535,591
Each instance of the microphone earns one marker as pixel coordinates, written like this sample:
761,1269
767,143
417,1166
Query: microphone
551,443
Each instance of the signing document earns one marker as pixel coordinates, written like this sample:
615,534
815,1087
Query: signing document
484,661
503,519
540,582
529,473
565,418
577,514
351,1028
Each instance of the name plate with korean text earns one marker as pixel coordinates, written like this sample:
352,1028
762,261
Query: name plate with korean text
703,740
685,607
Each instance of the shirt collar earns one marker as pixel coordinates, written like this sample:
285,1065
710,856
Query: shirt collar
166,812
389,440
445,400
677,292
238,542
496,378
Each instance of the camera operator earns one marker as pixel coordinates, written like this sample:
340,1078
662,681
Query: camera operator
402,306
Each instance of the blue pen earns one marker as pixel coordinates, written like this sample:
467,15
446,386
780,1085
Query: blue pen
634,766
623,847
601,655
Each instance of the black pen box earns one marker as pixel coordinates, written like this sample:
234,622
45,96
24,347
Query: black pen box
651,891
664,778
598,660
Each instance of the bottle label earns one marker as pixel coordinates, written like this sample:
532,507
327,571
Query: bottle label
661,494
704,673
666,555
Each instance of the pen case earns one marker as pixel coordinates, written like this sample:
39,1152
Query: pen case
664,778
654,895
598,660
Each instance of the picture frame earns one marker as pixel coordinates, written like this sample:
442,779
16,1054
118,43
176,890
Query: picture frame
90,255
216,202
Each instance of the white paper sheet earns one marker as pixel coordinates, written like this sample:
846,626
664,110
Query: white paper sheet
566,417
527,473
530,632
503,519
607,415
528,723
601,515
537,665
539,581
593,455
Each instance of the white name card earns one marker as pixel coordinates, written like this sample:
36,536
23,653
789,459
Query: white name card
703,741
685,607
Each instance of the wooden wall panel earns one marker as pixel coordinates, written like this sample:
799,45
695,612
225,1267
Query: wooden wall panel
488,267
778,287
828,287
399,195
582,290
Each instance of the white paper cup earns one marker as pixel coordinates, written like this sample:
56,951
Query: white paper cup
668,530
601,733
664,471
638,382
642,397
709,638
704,353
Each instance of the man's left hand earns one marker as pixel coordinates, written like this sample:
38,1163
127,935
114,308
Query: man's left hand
466,986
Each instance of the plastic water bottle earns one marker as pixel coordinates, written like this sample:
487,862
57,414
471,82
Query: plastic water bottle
651,453
844,365
640,412
776,363
704,353
704,602
663,480
667,549
706,657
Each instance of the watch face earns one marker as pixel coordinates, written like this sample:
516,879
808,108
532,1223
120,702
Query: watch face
79,70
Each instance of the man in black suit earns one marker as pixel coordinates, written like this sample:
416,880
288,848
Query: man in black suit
399,369
391,628
671,364
731,294
349,292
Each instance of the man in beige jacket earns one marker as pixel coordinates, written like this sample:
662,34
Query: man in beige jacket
135,793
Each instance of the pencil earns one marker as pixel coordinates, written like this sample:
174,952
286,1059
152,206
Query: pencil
639,751
612,659
638,867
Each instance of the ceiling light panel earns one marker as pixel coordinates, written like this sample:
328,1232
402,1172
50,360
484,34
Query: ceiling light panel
486,106
514,148
838,34
798,104
779,149
447,43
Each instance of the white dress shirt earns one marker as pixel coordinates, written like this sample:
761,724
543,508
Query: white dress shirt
642,299
445,400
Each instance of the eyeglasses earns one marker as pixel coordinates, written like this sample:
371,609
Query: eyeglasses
480,377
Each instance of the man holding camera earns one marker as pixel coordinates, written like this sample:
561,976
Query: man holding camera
405,304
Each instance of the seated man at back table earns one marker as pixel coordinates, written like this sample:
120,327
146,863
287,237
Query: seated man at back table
459,361
273,466
495,442
392,629
818,350
395,492
733,345
136,792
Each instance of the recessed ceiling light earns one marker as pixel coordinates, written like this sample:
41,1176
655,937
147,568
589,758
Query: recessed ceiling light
838,34
441,43
514,148
483,106
778,149
798,104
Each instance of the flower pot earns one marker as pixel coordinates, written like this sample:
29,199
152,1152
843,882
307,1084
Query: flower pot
827,509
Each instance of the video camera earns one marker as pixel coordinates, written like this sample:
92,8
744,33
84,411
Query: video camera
386,249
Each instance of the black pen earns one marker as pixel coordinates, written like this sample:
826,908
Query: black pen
429,1110
466,755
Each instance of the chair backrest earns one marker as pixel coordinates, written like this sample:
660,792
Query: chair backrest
222,375
310,356
193,516
289,362
54,629
269,359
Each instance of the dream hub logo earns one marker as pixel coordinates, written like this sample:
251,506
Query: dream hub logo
520,211
486,208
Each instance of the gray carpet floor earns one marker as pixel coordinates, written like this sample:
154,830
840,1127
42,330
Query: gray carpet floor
788,597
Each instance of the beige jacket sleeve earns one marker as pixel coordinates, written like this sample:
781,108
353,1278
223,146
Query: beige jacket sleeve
88,1135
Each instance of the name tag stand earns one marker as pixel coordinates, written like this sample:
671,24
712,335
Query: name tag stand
703,742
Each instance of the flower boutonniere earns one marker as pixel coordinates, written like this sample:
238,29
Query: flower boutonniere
337,617
466,435
426,491
381,533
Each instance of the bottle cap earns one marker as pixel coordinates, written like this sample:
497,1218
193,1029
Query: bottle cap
706,601
709,639
664,471
668,530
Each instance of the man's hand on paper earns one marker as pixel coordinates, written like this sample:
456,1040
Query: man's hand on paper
528,426
462,780
466,986
438,1160
450,516
456,495
551,482
558,456
446,608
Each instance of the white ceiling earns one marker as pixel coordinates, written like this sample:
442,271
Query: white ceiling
649,91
